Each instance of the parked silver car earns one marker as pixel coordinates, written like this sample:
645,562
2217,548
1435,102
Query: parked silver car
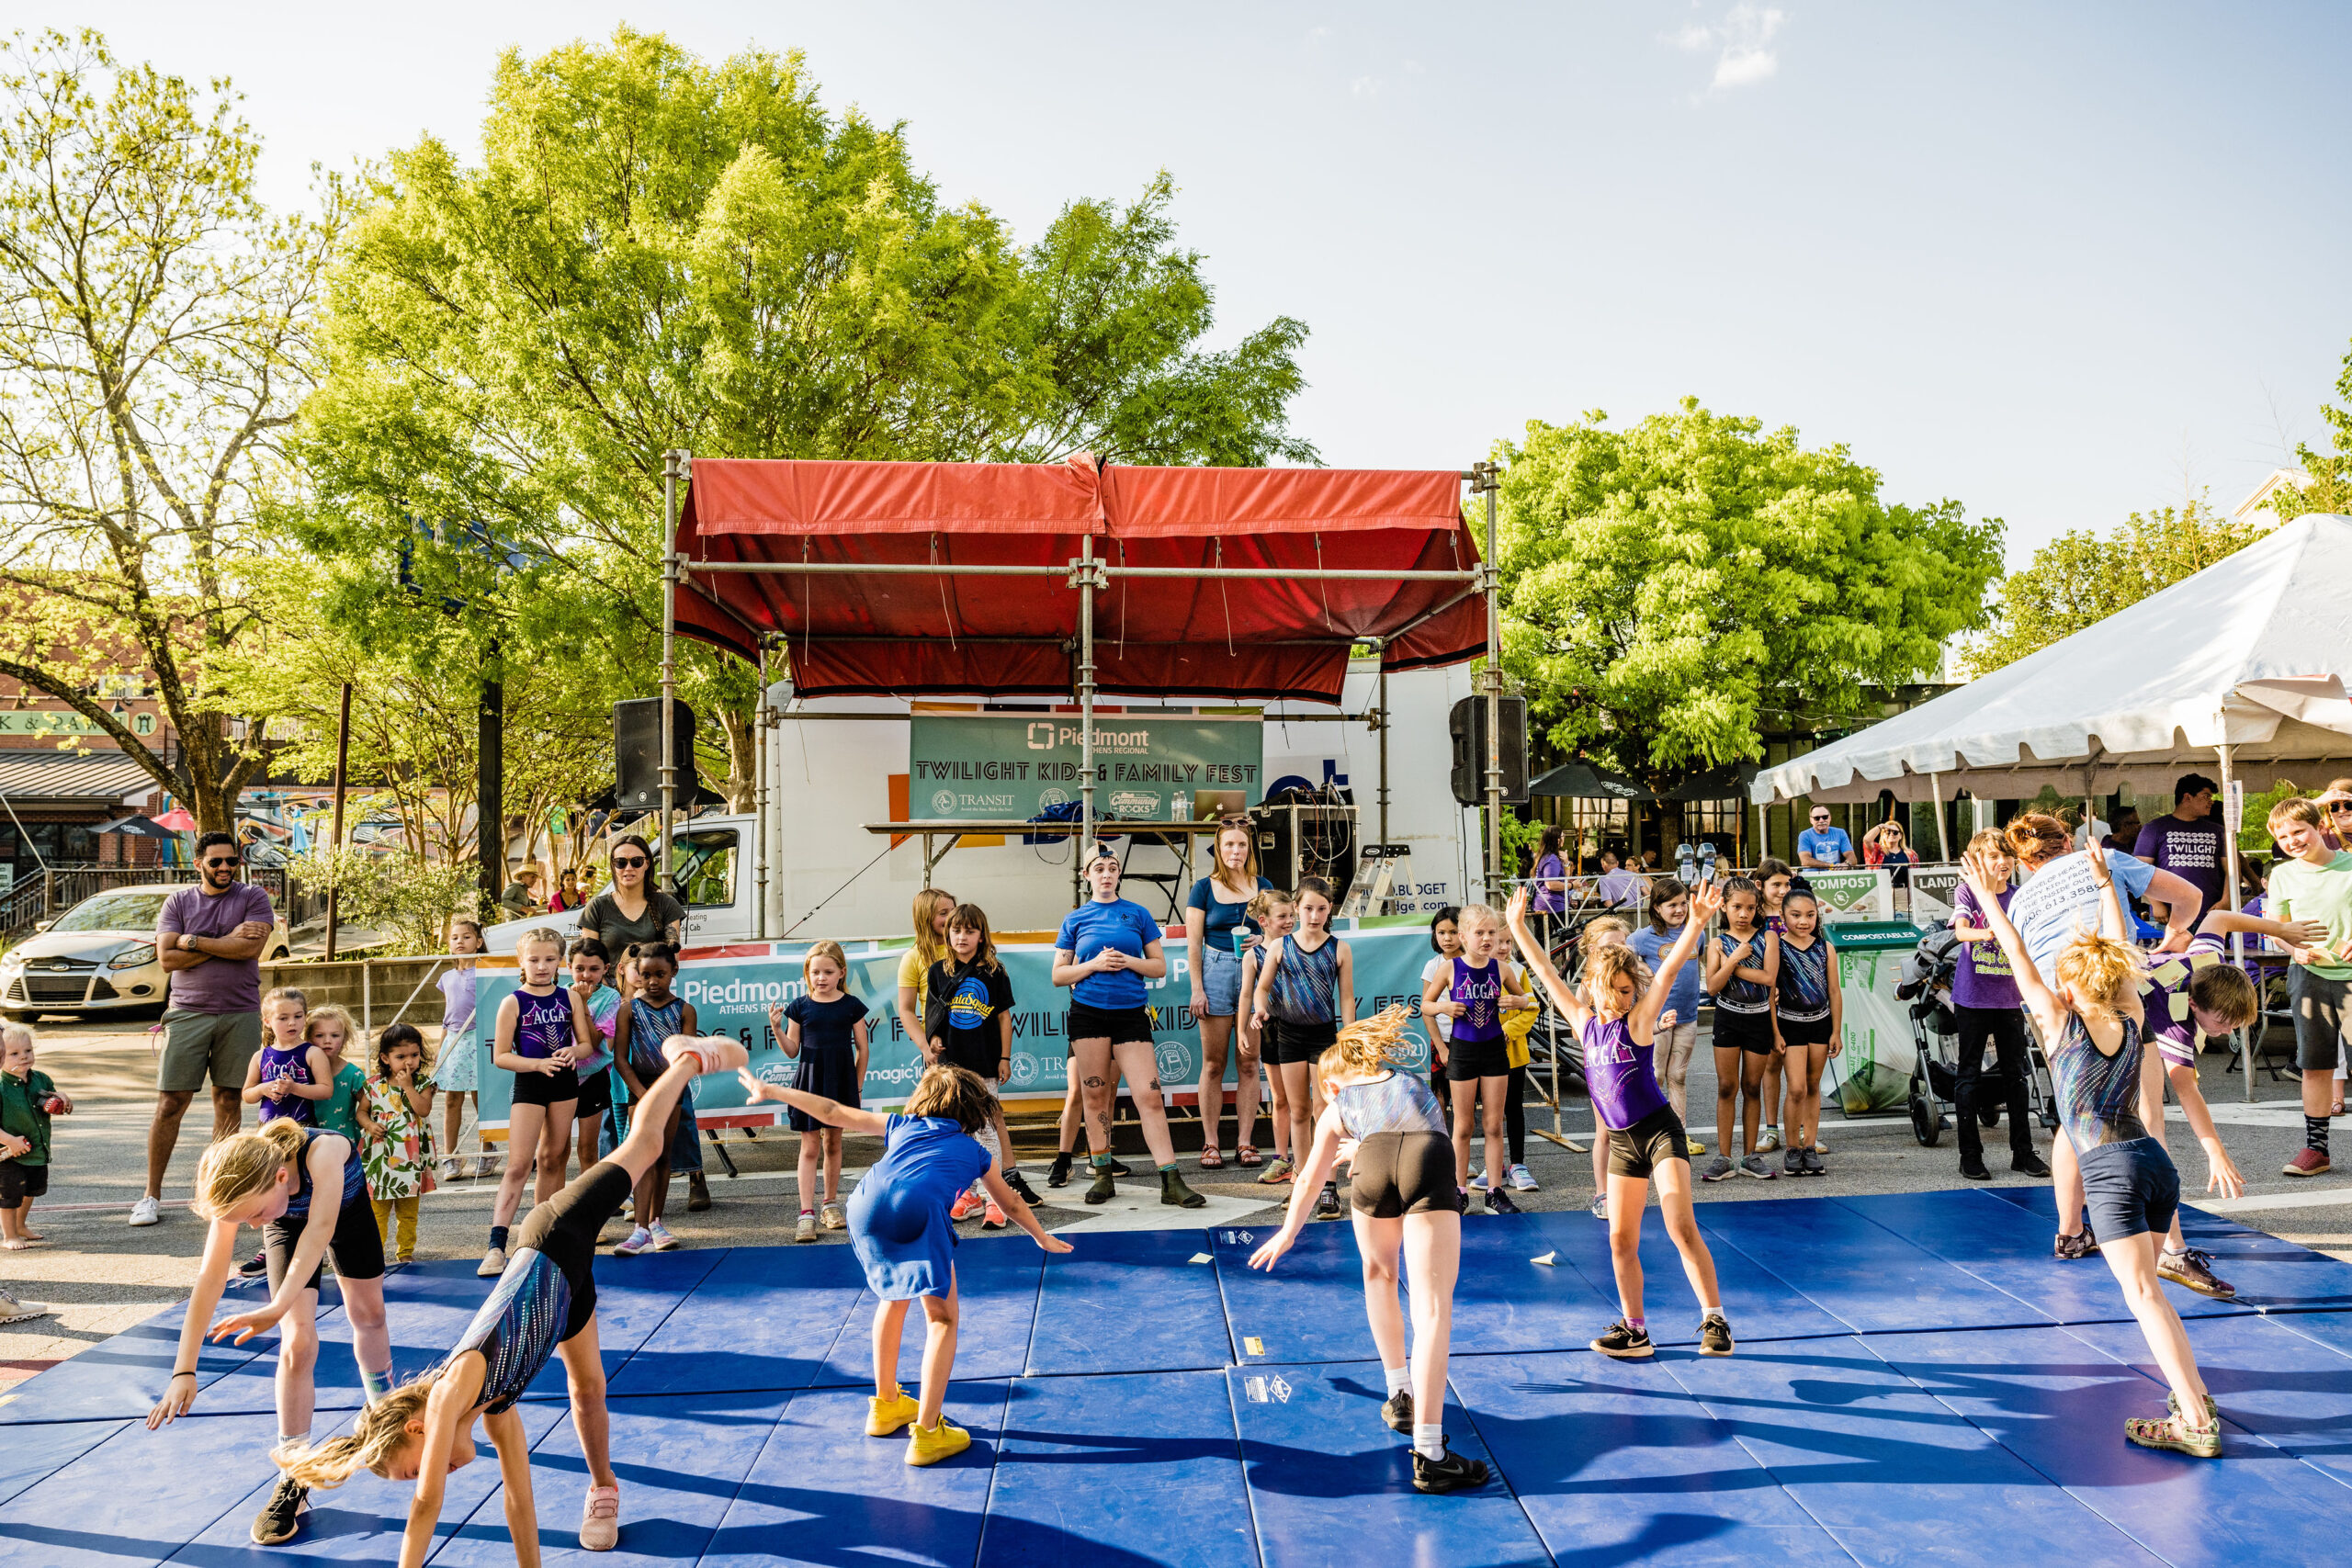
99,957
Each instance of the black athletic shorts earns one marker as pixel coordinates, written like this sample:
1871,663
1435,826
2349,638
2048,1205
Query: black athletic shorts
1808,1031
357,1246
2128,1187
563,1231
1744,1030
19,1182
1640,1149
1404,1173
1120,1026
544,1089
1468,1059
1282,1043
595,1094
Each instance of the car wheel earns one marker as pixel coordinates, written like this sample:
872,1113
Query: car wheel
21,1015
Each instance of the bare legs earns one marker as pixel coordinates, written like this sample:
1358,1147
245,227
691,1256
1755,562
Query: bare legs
1627,1195
1431,1248
583,1367
1755,1066
452,1121
1217,1037
163,1131
1727,1071
2132,1259
821,1144
1801,1123
940,1318
1471,1102
1101,1064
539,1138
1300,1104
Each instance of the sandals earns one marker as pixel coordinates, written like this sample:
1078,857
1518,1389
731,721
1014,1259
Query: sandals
2172,1434
1247,1156
1211,1159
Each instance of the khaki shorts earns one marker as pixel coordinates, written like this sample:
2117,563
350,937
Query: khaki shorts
196,1043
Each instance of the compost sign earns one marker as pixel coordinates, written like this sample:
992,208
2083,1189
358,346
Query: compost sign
1010,767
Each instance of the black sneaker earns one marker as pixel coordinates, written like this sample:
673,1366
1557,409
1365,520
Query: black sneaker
1327,1202
1792,1162
1499,1201
1625,1342
1972,1169
1812,1166
1119,1167
1451,1473
1715,1336
1019,1184
1397,1411
256,1266
277,1521
2030,1164
1059,1175
1106,1187
1173,1191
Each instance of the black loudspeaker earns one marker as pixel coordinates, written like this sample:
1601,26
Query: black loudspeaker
1467,723
1303,834
637,753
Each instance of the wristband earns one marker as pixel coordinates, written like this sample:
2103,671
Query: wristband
189,1372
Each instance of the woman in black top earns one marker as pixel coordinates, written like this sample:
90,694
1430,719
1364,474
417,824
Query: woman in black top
631,911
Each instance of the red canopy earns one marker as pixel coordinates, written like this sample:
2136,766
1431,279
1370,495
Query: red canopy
1274,632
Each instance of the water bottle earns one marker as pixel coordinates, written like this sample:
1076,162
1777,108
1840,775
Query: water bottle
1179,805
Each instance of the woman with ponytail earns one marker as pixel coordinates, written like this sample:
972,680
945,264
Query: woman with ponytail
305,1190
2093,1017
1386,1125
543,1305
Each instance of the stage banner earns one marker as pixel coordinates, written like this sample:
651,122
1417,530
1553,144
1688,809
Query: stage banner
1001,767
732,993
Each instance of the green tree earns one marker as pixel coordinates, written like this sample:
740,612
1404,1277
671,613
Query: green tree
1671,587
657,252
153,321
2328,475
2078,580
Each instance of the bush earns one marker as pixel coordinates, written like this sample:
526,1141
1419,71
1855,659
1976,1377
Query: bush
408,899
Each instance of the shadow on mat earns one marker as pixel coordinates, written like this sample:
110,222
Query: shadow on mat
856,1533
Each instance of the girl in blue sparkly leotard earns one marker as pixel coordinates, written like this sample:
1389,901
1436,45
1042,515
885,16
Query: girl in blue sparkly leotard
544,1306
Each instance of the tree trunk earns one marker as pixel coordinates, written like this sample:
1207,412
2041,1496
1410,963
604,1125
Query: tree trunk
742,761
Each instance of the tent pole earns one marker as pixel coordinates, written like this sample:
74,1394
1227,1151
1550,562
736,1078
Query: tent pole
673,463
760,797
1943,843
1763,832
1488,484
1383,748
2230,901
1085,706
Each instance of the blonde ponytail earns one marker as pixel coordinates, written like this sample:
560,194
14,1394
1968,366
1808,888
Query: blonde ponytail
381,1432
238,1168
1366,1045
2098,968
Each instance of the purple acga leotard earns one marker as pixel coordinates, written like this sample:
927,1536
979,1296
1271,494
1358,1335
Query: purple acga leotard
1618,1073
293,1064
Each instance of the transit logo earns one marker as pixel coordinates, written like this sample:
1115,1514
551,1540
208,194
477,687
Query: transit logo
942,801
1024,1069
1170,1057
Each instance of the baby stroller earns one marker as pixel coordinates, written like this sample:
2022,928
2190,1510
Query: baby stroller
1926,985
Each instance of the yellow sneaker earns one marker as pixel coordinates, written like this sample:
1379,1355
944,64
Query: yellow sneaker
883,1416
932,1444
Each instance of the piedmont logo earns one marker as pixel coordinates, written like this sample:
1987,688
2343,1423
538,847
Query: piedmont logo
942,801
1041,737
1173,1061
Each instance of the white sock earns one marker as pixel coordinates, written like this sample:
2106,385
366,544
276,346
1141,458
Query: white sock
1428,1440
1400,1378
289,1439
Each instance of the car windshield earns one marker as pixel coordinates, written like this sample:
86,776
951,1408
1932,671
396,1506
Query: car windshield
125,911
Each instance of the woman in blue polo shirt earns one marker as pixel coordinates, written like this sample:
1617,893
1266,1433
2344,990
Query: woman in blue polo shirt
1107,948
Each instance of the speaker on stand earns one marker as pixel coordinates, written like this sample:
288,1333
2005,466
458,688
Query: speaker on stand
1303,834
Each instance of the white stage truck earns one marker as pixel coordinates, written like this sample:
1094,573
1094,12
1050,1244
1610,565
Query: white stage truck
840,771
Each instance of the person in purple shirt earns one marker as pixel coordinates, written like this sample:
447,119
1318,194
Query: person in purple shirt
1551,873
210,937
1985,994
2188,843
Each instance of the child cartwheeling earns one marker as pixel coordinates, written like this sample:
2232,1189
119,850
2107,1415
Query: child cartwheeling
27,1100
652,1014
398,1156
1405,1202
302,1189
967,1017
541,1030
1646,1140
543,1305
1806,1012
1306,992
898,1223
457,1065
1743,970
826,1033
2094,1020
1472,994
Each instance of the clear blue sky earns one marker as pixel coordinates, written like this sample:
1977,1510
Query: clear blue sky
2054,261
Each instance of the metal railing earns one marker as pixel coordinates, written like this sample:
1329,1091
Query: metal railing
52,890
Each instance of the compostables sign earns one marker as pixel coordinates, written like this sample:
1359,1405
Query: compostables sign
1008,767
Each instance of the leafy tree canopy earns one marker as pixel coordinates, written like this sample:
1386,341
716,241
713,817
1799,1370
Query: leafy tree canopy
1674,589
658,252
2078,580
2329,474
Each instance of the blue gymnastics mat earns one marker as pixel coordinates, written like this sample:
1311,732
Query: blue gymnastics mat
1915,1378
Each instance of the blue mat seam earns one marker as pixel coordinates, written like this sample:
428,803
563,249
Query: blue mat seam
1732,1429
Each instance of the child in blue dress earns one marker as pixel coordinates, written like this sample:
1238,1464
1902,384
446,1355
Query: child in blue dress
824,1031
898,1223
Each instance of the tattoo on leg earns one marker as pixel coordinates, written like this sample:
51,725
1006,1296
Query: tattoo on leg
1094,1083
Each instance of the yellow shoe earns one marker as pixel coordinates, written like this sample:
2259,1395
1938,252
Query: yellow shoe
1697,1148
932,1444
883,1416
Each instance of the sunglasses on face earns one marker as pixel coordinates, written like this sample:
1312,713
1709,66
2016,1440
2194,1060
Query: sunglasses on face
219,863
629,864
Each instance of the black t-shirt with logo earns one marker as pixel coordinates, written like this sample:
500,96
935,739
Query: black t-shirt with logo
964,1002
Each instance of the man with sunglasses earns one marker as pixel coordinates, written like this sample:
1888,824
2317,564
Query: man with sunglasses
211,938
1822,847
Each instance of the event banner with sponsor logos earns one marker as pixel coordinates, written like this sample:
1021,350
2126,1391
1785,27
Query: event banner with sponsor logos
732,993
1001,767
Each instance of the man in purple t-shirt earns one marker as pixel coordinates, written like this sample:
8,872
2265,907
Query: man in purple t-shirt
2188,843
211,939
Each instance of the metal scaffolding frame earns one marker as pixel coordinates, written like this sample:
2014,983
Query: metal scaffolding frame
1089,575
